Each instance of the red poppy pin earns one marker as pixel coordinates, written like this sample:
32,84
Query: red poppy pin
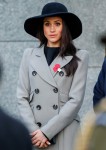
56,68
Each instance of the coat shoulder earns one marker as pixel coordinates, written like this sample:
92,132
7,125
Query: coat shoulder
82,54
28,52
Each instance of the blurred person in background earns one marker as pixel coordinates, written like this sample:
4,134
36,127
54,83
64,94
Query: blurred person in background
100,86
13,134
94,134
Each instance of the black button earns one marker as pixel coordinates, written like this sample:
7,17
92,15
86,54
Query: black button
55,90
55,107
61,73
34,73
36,91
39,124
38,107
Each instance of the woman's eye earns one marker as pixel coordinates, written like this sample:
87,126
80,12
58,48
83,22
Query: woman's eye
46,24
58,24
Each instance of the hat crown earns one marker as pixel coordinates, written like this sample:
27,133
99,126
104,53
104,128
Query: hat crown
54,7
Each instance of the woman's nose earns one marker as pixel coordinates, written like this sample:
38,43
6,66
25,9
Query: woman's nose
52,28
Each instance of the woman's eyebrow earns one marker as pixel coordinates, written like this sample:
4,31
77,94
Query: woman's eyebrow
57,20
54,21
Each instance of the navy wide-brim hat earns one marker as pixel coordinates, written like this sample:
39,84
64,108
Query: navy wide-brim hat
31,25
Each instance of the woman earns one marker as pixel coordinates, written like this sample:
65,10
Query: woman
52,79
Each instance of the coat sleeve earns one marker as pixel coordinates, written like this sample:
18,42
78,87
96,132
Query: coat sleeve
23,93
71,108
99,86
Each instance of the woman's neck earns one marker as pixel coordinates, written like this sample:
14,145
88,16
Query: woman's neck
53,44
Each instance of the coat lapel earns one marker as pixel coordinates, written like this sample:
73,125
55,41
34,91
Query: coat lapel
61,61
39,63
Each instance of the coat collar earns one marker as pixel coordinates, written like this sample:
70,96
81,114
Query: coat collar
39,63
61,61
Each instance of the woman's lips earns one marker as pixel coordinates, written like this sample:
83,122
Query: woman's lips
52,35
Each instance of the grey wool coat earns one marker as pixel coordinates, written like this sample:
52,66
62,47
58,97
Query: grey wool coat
50,100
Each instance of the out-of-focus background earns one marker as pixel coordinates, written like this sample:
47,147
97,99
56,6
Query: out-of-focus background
14,40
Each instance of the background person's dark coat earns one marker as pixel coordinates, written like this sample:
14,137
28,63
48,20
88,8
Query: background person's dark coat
100,86
13,135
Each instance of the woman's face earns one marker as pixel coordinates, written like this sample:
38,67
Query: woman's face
52,27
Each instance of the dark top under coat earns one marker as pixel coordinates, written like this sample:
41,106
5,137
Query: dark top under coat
51,53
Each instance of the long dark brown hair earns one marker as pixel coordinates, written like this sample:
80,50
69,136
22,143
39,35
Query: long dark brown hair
67,47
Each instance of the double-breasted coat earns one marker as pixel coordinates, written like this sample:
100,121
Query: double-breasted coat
50,100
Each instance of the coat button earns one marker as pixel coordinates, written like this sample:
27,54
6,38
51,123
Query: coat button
55,107
39,124
34,73
38,107
61,73
55,90
36,91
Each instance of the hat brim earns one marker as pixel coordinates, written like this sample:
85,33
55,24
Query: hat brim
31,25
